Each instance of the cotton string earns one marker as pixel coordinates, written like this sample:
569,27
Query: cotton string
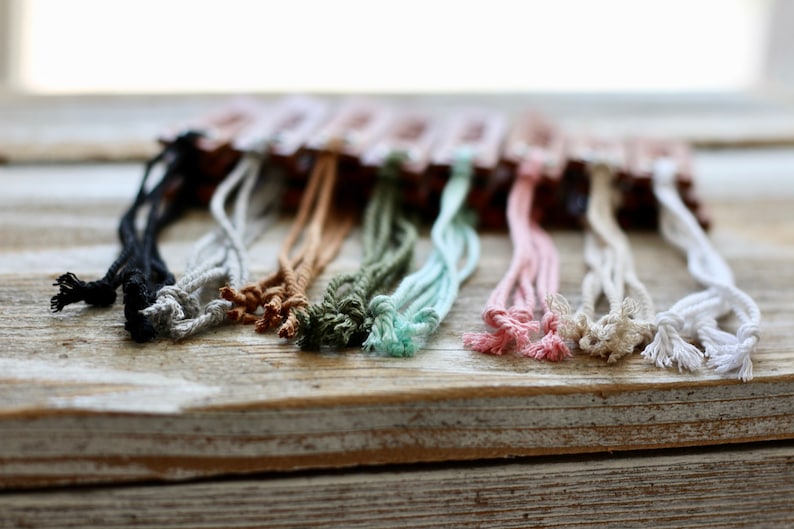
342,318
403,320
611,272
220,257
532,276
695,316
551,346
139,269
320,229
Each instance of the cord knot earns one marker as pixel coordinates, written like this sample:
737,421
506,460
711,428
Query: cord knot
335,323
245,302
136,298
735,353
395,335
618,333
381,306
97,293
383,312
670,320
749,333
173,304
668,347
513,327
551,346
409,334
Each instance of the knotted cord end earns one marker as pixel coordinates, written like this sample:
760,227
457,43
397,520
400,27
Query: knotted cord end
669,348
736,355
98,293
136,298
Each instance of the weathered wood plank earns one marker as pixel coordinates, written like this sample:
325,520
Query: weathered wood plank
101,128
729,487
80,403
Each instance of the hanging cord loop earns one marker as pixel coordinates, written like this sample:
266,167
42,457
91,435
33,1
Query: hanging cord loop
695,316
532,274
405,319
551,345
628,324
220,257
139,269
342,319
313,241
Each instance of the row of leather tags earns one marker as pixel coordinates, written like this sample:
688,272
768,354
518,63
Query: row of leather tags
293,130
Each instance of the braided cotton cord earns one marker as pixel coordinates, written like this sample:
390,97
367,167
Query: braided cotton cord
611,271
695,316
219,258
516,324
321,230
102,292
551,345
534,259
140,269
342,318
402,321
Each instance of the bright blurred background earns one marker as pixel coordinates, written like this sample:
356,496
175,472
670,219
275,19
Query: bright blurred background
388,46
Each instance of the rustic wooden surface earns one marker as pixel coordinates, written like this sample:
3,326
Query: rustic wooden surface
81,403
717,488
79,128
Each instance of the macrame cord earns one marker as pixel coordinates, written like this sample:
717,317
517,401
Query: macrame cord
695,316
629,322
220,257
342,318
405,319
139,269
320,229
533,275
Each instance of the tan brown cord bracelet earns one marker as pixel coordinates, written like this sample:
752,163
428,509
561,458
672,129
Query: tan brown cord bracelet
319,230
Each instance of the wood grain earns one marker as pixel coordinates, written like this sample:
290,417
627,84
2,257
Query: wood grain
729,487
81,403
102,128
